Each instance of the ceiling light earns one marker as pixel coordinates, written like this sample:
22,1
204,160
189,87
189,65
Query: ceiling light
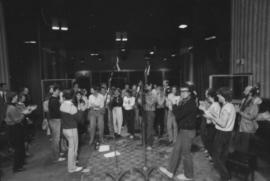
124,36
55,28
30,42
210,38
164,59
64,28
182,26
123,49
173,55
191,47
94,54
151,53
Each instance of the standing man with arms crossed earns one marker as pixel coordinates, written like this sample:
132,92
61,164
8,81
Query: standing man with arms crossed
96,114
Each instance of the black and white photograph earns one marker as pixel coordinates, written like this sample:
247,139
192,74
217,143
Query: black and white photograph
135,90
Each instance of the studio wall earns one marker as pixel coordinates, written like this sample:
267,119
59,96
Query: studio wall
250,41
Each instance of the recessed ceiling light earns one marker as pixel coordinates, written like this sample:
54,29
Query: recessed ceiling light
151,53
210,38
64,28
55,28
182,26
173,55
94,54
30,42
123,49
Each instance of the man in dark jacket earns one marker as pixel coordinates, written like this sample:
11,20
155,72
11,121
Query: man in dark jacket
55,123
185,114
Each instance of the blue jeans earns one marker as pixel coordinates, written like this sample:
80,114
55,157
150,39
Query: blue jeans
172,127
182,148
55,125
72,137
96,117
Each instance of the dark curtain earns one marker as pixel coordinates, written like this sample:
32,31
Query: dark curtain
4,72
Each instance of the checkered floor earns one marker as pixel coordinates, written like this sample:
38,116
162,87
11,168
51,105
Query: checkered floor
132,156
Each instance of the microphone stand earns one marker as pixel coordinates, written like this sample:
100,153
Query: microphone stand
118,175
146,171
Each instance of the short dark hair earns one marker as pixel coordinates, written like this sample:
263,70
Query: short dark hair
78,92
55,87
255,91
68,94
21,95
225,92
10,96
212,93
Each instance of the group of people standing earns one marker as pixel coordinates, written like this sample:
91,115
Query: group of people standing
69,110
223,121
112,108
17,118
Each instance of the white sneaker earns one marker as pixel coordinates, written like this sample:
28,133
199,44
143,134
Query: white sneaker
166,172
183,177
61,159
77,169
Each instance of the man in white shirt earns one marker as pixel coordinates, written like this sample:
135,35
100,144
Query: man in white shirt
172,127
224,126
96,114
128,105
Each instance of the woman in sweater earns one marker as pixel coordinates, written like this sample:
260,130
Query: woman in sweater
14,118
69,124
128,105
160,112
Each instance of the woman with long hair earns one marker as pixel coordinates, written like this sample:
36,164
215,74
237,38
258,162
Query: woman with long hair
210,106
69,124
81,105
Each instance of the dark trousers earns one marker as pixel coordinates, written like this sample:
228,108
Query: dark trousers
208,135
17,139
159,121
129,117
182,148
148,119
220,152
242,142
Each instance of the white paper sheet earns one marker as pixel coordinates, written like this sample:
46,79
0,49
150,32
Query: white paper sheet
104,148
111,154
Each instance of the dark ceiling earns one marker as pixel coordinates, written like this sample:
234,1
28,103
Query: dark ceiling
93,23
